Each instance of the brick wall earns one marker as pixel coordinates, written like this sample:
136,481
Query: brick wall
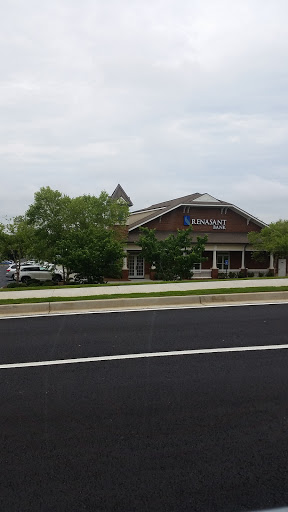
252,263
175,220
235,259
208,263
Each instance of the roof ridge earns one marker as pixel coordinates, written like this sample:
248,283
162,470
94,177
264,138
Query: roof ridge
170,202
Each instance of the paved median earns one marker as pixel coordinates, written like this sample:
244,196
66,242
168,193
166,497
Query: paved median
124,289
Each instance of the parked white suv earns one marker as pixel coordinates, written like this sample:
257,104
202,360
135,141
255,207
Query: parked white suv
11,270
40,273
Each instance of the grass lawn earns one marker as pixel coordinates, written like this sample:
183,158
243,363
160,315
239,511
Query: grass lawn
150,294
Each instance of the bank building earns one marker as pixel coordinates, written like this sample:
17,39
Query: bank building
226,226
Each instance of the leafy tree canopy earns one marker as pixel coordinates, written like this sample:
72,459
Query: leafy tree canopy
83,234
93,252
16,240
272,238
49,216
173,257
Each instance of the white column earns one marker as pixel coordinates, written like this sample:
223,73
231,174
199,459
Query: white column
214,264
125,266
271,265
243,259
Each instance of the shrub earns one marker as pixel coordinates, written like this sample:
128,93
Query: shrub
270,273
250,274
232,275
33,282
173,257
47,283
260,274
241,274
16,285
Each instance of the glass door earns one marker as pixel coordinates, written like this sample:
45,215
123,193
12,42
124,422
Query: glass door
136,266
222,260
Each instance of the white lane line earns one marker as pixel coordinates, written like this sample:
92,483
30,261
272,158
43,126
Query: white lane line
145,355
137,310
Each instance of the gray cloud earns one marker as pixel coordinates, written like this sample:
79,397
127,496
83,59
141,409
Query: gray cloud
165,98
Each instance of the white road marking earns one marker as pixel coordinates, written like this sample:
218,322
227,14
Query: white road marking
147,308
145,355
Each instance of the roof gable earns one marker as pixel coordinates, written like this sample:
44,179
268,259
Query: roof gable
157,210
119,193
206,198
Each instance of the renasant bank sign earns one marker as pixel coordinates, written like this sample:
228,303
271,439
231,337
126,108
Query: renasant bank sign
215,223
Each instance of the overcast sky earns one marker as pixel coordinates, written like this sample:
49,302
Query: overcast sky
165,97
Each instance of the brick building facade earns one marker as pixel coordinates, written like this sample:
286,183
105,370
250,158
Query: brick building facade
226,226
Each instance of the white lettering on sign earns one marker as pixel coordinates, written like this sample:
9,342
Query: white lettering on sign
216,223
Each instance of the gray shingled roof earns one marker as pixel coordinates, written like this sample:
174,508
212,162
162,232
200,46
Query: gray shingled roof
119,192
172,202
190,199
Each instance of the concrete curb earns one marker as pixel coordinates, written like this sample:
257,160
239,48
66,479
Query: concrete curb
46,308
24,309
244,297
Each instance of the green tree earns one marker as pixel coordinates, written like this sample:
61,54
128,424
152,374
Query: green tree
93,252
16,240
96,239
50,217
173,257
272,238
83,234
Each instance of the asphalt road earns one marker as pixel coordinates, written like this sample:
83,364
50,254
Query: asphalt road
197,432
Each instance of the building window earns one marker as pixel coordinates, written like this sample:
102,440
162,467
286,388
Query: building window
222,260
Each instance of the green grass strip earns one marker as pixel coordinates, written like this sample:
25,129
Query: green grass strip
125,283
183,293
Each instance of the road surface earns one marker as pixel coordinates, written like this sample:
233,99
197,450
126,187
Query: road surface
190,432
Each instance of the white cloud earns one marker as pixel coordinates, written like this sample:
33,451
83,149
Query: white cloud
260,190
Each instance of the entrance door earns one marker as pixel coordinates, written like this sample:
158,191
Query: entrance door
136,266
222,260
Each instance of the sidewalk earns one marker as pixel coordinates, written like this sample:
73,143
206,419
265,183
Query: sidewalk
141,288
